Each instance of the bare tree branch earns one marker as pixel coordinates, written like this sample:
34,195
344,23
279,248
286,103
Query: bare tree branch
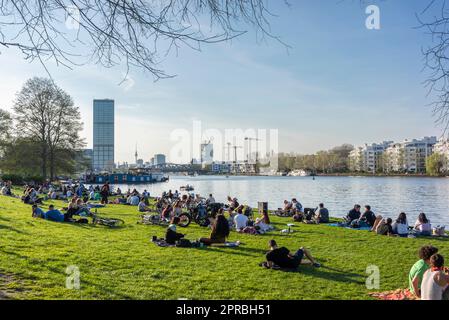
138,33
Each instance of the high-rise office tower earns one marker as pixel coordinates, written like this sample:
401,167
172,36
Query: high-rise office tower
103,157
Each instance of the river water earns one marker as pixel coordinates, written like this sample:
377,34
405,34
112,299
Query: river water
386,195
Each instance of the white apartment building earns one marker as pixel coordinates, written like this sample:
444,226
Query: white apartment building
409,156
368,158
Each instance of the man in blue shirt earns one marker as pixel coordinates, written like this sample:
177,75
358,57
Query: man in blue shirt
37,212
53,214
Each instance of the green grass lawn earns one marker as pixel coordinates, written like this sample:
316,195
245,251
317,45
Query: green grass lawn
123,263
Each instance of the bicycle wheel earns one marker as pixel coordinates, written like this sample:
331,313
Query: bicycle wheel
184,220
116,222
109,222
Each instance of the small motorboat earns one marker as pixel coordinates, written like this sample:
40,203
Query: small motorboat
187,188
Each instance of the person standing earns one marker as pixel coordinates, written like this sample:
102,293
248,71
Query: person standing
105,189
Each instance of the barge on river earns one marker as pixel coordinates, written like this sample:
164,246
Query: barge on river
136,176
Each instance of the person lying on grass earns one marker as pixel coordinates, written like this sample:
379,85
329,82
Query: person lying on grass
435,280
53,214
171,236
419,268
220,231
37,212
282,257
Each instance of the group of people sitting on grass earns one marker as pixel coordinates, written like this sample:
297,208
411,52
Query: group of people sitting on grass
307,215
5,188
429,278
386,226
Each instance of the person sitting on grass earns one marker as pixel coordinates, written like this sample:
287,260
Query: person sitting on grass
423,226
72,208
240,220
142,206
220,231
321,214
384,228
419,268
288,206
296,206
133,200
282,258
400,226
6,190
262,227
353,215
53,214
435,280
171,236
37,212
367,219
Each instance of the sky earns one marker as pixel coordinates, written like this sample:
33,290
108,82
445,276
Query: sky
338,82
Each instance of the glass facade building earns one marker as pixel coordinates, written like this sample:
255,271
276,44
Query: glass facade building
103,153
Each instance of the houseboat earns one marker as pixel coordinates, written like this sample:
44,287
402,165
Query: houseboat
130,177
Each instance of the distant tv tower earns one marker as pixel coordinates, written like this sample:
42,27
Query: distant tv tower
136,155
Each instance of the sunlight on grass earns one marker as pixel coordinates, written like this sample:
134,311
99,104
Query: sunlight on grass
123,263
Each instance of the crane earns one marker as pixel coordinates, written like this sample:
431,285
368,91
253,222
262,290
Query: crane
235,152
249,147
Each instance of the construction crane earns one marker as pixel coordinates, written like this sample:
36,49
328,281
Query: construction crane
229,151
235,152
249,147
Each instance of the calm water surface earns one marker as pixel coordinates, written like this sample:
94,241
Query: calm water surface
386,195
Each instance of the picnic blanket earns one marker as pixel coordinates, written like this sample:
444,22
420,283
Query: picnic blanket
227,244
162,243
343,226
399,294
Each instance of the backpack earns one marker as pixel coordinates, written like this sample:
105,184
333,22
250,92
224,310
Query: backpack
439,231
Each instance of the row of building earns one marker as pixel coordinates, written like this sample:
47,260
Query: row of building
408,156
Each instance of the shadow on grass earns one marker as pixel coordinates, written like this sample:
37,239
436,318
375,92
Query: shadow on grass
12,229
332,274
327,273
103,288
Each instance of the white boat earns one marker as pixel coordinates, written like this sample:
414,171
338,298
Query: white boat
299,173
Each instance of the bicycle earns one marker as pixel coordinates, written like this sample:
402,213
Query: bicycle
108,222
156,219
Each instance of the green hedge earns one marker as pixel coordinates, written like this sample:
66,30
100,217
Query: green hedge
20,180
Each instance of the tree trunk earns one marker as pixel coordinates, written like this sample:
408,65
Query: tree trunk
44,161
52,164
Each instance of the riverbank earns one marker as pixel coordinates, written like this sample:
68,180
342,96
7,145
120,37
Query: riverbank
123,263
359,174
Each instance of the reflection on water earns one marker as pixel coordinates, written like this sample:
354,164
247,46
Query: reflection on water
386,195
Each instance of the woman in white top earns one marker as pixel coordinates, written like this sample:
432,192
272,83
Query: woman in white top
423,226
400,226
435,281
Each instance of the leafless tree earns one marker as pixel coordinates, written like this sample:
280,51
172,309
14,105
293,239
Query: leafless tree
46,115
138,33
435,20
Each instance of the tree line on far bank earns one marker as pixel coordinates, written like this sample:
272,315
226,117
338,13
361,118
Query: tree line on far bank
41,139
330,161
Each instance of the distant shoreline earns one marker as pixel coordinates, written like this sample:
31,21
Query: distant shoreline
334,175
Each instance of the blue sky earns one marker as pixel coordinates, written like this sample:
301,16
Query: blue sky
338,83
